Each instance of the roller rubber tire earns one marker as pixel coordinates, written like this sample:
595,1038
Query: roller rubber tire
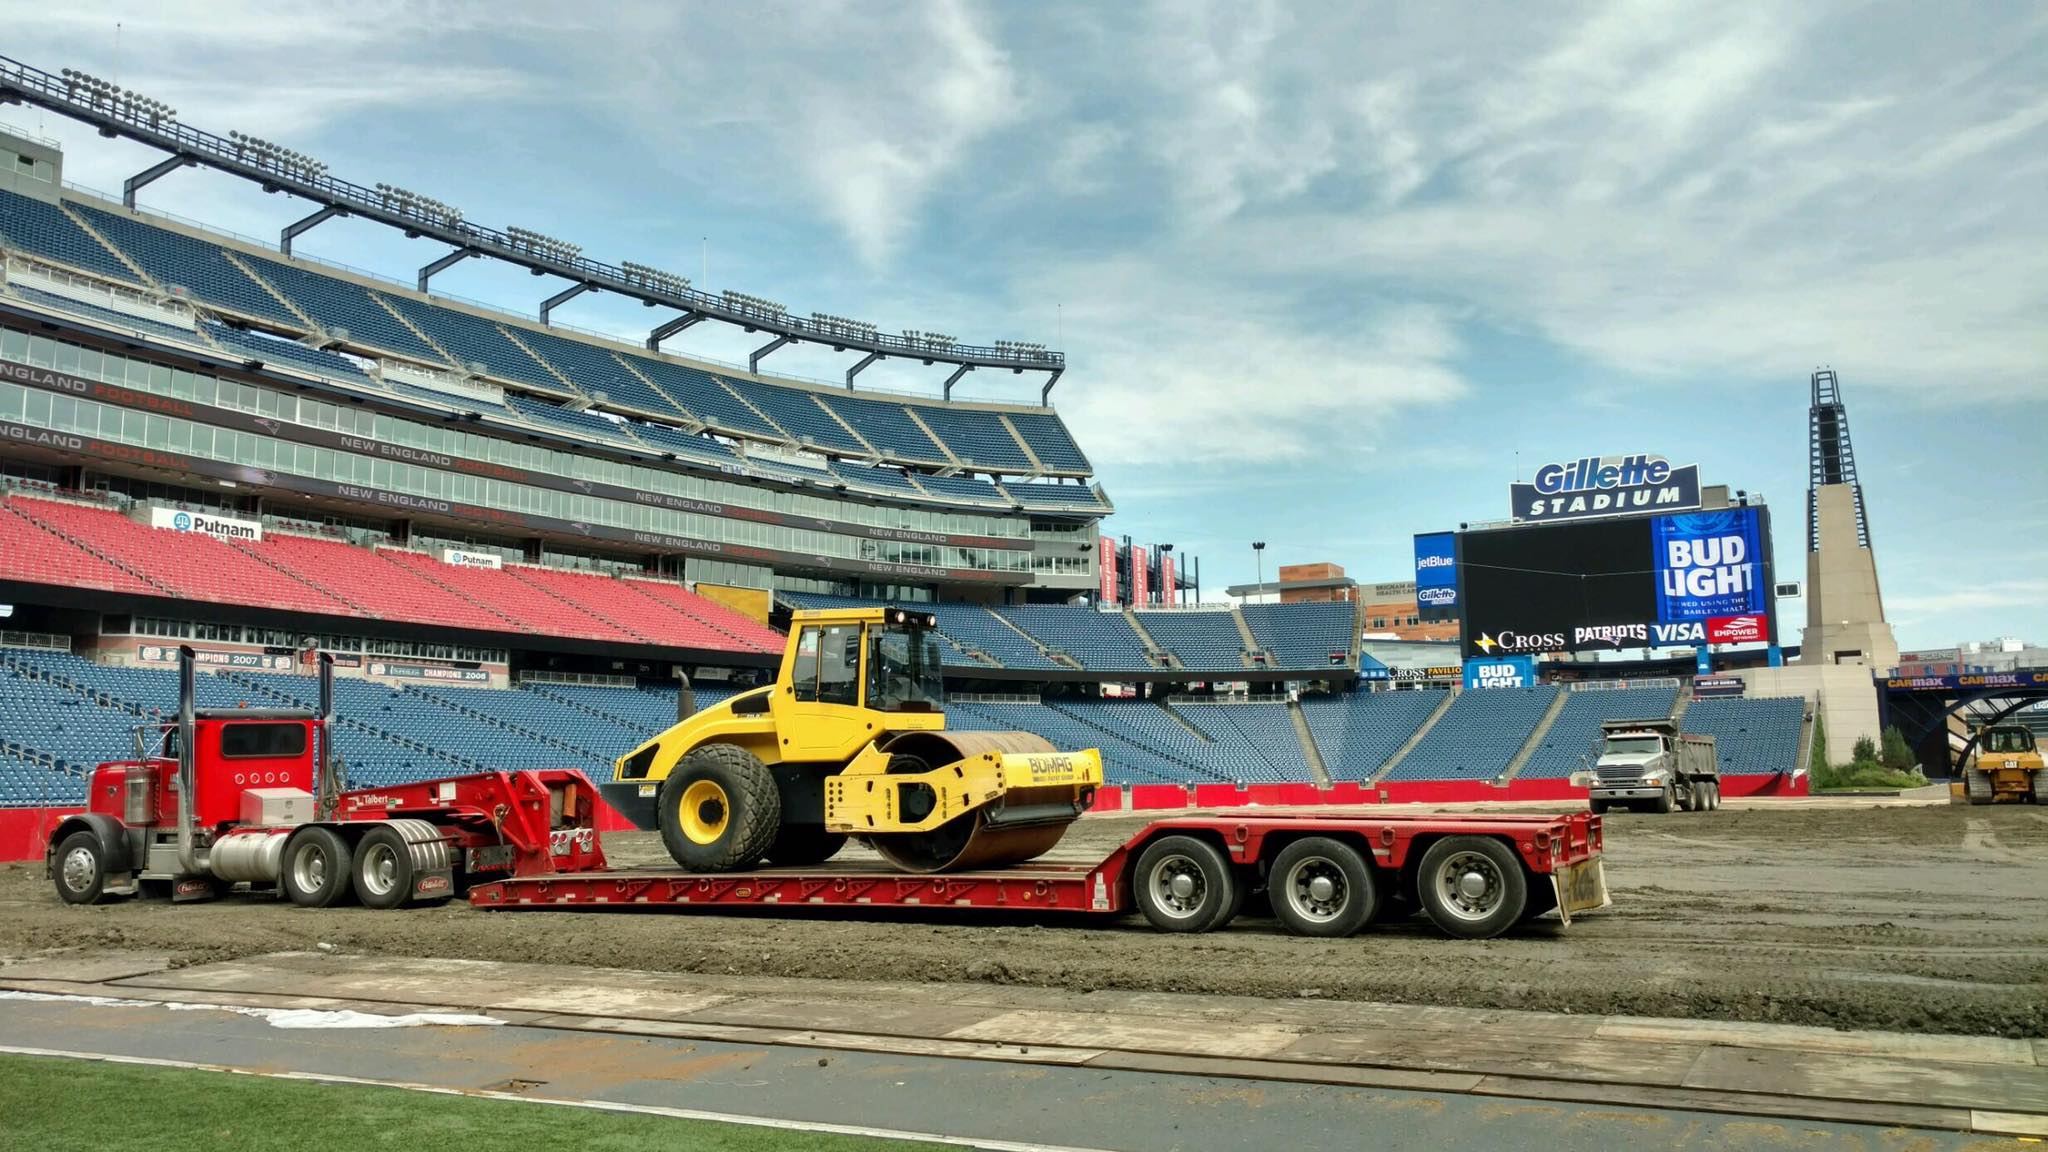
753,809
801,845
321,879
1213,886
1502,901
383,869
1350,906
80,868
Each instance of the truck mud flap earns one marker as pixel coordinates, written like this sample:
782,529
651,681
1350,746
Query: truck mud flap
1580,888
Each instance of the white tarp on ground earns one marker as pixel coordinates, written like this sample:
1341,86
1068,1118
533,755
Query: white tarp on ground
280,1017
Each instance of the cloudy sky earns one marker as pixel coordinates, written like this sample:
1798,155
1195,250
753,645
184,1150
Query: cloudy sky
1323,279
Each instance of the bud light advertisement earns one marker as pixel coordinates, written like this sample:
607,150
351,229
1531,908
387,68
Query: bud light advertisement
1501,672
1709,564
1436,575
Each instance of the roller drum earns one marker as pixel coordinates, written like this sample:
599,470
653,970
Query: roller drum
980,839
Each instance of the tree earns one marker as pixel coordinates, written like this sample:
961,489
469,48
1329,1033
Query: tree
1820,741
1865,751
1897,755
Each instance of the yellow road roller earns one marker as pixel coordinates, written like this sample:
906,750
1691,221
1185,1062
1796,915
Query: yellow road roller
851,740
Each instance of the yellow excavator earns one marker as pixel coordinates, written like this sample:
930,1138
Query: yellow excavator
2006,765
851,740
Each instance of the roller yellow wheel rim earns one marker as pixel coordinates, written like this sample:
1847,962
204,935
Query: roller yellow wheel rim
703,813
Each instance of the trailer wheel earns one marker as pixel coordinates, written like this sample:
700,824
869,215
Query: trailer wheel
383,868
316,868
719,809
797,845
1472,886
1183,884
1322,887
80,868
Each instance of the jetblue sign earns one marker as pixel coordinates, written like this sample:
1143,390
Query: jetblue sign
1501,672
1436,575
1606,486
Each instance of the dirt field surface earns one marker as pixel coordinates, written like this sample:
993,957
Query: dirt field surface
1925,919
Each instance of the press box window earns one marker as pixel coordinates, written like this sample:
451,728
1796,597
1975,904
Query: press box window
268,741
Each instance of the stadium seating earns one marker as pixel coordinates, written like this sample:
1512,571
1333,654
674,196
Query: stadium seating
966,488
1358,732
1752,737
109,317
888,427
1478,735
1054,497
1123,762
47,230
745,634
191,565
374,582
1101,641
705,397
276,350
1050,441
1303,636
586,424
509,595
1201,639
1576,731
32,553
977,437
596,370
885,480
968,626
474,340
801,415
699,448
174,259
338,303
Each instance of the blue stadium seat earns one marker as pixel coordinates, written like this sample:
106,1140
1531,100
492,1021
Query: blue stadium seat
108,317
1576,731
705,397
174,259
977,437
1050,441
1478,735
799,414
45,230
1101,641
888,427
1204,640
274,350
1303,636
594,369
967,488
474,340
338,303
1752,736
1358,732
1055,497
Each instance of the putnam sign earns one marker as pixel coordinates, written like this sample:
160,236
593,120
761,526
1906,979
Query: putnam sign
1594,486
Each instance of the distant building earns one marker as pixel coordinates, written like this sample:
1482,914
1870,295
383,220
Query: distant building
1388,608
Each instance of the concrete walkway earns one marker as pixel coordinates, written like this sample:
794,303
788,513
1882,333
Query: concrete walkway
1955,1083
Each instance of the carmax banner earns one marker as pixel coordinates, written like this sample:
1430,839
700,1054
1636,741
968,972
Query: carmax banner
1606,486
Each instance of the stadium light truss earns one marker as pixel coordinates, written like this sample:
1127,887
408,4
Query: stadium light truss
117,112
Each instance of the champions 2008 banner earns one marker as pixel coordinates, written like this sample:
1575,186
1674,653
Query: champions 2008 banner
1709,564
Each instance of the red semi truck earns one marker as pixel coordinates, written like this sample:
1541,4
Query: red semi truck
255,797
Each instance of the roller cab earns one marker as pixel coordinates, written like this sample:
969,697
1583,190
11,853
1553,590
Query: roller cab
851,740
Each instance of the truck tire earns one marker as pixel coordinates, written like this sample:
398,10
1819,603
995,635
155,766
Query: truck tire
1977,785
1663,805
316,868
1472,887
1322,887
80,868
1184,884
799,845
1597,807
1713,796
383,868
719,809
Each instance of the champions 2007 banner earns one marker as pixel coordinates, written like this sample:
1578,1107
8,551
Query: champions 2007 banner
1709,564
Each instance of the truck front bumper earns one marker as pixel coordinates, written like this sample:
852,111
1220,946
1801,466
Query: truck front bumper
1638,793
635,800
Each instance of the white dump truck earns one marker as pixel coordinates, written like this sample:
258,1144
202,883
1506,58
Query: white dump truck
1650,765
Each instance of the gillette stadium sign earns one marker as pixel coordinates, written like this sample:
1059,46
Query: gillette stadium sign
223,527
1606,486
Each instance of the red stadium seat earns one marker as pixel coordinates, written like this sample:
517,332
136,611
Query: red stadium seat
33,554
383,587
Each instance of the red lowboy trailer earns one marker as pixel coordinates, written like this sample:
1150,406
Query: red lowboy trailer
1473,876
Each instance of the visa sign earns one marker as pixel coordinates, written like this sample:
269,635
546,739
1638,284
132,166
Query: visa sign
1606,486
1501,672
1709,564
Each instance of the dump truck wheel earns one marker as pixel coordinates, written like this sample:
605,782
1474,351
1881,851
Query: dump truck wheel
316,868
720,809
797,845
80,868
1321,887
1663,805
1597,807
1472,886
1183,884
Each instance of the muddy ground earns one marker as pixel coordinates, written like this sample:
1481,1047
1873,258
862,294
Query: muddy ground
1927,919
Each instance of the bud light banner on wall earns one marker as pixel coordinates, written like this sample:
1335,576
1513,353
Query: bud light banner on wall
1436,575
1501,672
1709,564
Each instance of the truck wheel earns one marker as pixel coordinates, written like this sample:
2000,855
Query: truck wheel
1322,887
1183,884
1713,796
1597,807
1472,886
316,868
80,868
383,869
1663,805
720,809
797,845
